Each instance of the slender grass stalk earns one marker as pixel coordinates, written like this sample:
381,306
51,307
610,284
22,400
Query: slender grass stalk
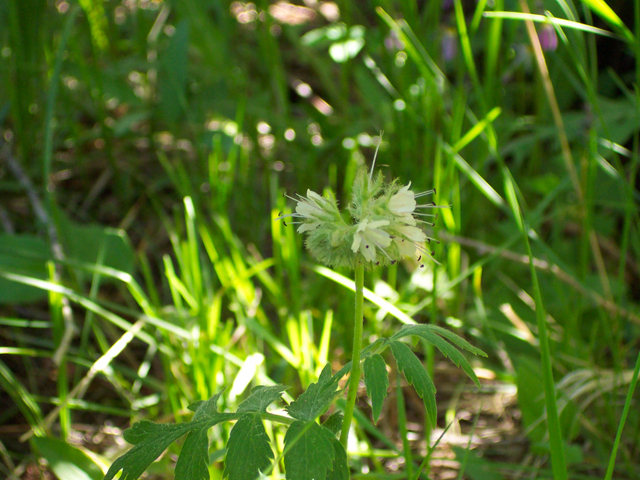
623,419
354,378
558,462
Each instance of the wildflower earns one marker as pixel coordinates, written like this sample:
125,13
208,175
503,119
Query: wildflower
386,228
548,37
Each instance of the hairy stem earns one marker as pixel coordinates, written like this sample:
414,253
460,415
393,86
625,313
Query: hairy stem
354,378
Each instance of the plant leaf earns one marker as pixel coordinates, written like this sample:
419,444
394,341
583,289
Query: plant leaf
443,332
317,398
448,350
376,379
310,452
334,422
67,461
261,397
151,439
415,373
193,462
340,469
248,450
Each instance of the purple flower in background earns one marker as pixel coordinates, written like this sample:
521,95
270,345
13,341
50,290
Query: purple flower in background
392,42
548,37
449,45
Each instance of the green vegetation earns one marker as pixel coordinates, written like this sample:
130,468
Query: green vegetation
145,148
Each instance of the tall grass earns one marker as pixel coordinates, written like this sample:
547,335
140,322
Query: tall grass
188,120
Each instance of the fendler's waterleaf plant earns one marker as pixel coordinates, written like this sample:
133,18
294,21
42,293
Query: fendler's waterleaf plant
385,227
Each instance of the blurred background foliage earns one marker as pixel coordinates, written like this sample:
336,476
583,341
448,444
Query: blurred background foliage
146,147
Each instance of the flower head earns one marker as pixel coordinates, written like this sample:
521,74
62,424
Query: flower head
387,219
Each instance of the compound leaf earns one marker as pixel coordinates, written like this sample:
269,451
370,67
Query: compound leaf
248,450
261,397
376,379
151,439
309,451
452,337
433,334
415,373
317,398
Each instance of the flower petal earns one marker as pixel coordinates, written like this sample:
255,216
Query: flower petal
412,233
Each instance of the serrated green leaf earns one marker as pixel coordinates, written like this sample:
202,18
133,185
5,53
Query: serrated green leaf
310,453
248,450
334,422
193,462
151,439
317,397
340,469
452,337
261,397
448,350
415,373
376,379
205,408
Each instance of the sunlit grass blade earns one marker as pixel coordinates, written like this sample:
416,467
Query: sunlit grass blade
551,20
605,11
480,183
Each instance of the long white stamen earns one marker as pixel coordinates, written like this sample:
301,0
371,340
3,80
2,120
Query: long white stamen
425,193
432,205
375,155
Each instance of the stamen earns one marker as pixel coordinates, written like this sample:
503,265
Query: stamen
375,155
432,205
425,193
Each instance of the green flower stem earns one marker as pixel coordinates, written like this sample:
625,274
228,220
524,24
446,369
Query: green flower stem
354,378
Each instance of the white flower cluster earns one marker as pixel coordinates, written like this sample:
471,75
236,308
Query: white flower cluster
385,228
